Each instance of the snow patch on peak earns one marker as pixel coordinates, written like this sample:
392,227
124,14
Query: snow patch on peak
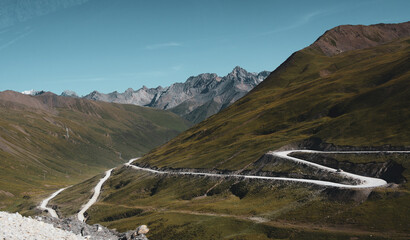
32,92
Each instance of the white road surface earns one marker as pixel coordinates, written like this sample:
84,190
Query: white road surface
364,182
44,203
95,196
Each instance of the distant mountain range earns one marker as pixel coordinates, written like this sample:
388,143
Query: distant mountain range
198,98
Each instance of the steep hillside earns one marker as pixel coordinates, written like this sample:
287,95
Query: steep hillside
357,99
49,141
198,98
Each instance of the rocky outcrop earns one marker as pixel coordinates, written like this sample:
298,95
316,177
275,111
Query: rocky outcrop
353,37
137,234
272,166
390,171
95,231
198,98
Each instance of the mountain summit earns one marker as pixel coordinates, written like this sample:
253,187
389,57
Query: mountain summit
353,37
198,98
69,93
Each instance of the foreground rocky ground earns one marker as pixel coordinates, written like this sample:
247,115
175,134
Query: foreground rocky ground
14,226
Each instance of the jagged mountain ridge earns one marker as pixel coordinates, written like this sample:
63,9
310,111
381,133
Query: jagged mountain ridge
198,98
142,97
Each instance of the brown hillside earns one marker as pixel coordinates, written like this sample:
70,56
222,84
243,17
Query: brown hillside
352,37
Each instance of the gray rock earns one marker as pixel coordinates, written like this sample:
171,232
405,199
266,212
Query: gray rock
137,234
69,93
141,97
198,98
95,232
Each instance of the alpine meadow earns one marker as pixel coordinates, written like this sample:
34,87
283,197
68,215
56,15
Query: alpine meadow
294,144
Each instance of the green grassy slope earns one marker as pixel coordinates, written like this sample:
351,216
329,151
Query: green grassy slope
357,98
185,207
48,141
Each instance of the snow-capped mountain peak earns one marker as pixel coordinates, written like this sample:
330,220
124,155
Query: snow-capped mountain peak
32,92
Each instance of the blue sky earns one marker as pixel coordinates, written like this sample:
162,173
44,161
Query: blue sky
111,45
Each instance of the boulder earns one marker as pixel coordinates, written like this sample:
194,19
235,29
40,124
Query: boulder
143,229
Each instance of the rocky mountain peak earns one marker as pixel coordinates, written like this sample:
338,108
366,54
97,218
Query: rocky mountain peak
201,80
191,98
130,90
353,37
160,88
94,95
32,92
263,74
69,93
238,72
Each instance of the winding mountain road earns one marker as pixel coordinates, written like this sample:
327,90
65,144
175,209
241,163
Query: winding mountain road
94,198
364,182
44,203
